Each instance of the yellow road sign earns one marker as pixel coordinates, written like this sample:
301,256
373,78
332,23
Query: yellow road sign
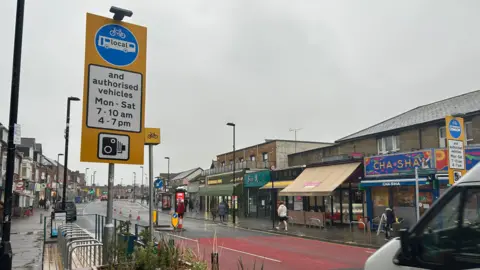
114,92
152,136
175,219
455,131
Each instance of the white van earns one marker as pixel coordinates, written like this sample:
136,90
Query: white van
446,237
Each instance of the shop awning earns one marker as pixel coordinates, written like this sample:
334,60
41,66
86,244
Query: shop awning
277,184
217,190
392,182
320,181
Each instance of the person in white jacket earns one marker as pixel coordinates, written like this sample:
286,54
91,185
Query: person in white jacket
282,214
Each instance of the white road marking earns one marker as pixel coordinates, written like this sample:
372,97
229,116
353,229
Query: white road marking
251,254
371,252
182,237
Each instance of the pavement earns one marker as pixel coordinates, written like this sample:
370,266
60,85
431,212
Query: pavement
253,246
341,234
27,240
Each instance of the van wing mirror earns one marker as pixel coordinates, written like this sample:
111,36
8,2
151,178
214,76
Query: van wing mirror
405,243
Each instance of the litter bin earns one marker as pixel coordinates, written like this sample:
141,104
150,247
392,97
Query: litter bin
396,227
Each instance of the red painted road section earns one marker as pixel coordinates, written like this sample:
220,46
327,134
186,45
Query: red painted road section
282,252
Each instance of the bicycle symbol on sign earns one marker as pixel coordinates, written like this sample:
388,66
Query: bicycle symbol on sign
152,135
117,32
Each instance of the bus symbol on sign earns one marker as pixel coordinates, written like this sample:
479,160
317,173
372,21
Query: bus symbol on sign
116,45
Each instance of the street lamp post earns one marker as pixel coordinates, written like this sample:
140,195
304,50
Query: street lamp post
6,252
134,185
168,180
233,174
58,176
86,175
141,188
65,156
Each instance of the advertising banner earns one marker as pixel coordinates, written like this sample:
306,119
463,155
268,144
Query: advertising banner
472,158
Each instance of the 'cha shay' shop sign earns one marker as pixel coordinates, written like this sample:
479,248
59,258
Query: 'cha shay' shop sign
396,164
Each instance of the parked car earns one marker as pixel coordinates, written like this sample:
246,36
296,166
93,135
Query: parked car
104,198
70,208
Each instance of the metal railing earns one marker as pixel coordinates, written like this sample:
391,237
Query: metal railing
78,246
359,222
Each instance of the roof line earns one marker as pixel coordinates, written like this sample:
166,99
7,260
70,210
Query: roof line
398,115
270,141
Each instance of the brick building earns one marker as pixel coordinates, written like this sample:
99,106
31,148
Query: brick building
419,128
220,181
392,150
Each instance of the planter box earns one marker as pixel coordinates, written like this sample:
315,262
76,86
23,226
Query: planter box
129,240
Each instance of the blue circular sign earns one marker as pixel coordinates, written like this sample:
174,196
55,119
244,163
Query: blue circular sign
158,183
454,128
175,215
116,45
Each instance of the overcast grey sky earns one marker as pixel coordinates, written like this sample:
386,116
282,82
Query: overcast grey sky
329,67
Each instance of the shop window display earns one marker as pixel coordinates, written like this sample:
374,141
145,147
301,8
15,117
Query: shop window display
337,215
380,197
404,196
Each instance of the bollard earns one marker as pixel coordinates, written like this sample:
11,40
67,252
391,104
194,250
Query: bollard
215,265
41,218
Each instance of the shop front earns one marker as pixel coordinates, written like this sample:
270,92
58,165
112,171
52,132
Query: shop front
256,198
328,192
223,188
280,179
390,182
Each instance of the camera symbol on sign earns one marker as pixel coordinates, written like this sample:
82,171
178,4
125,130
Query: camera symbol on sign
113,146
457,176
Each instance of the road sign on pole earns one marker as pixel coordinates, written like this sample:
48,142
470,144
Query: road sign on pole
114,92
158,183
456,148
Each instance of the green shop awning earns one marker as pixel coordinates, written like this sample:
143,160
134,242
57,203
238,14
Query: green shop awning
217,190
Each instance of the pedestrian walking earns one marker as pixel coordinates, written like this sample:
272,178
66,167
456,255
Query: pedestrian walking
213,209
47,205
180,209
222,209
390,216
282,214
190,205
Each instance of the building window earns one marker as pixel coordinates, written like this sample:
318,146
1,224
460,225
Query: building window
265,156
389,144
252,158
442,134
468,131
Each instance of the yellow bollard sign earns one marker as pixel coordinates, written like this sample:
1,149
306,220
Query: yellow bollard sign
154,216
175,220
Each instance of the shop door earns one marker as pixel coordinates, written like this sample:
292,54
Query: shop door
263,205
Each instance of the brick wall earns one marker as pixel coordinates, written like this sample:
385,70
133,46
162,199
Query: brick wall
256,151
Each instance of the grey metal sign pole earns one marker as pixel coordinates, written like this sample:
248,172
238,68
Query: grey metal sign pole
151,194
109,229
